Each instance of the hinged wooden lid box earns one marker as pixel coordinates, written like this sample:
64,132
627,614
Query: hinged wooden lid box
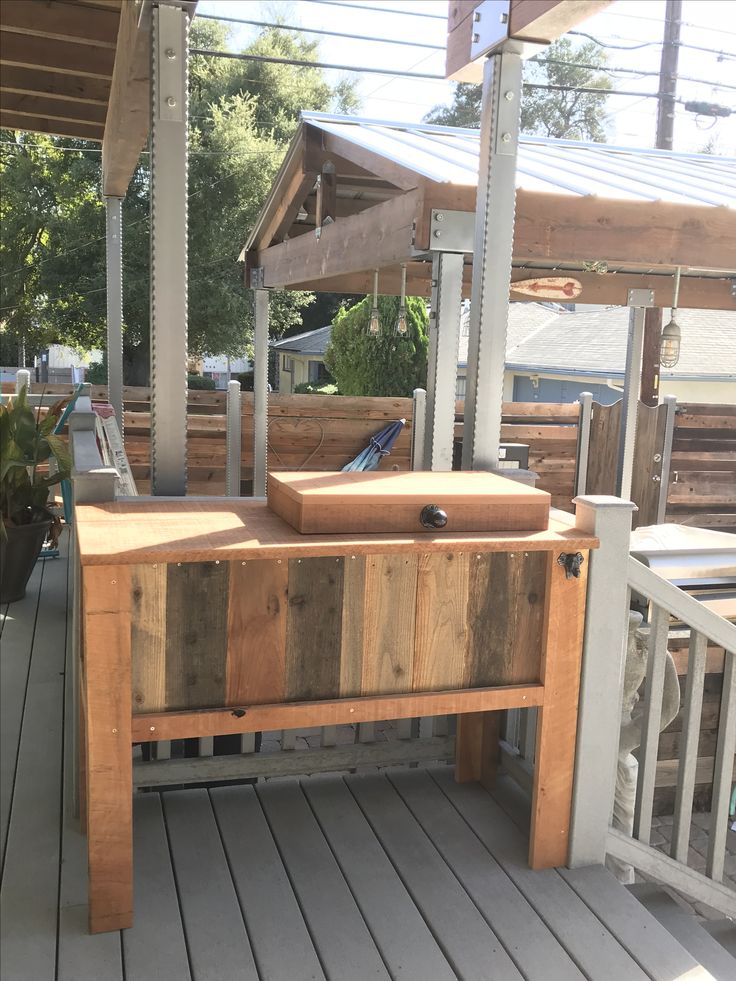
381,502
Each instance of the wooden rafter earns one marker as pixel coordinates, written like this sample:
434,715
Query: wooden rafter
61,21
530,20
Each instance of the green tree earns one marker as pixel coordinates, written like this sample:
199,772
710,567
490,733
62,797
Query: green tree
52,257
388,364
559,113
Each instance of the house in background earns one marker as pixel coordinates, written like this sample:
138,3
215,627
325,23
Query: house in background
553,354
301,358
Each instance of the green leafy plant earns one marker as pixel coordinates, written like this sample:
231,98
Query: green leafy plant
315,388
28,441
200,383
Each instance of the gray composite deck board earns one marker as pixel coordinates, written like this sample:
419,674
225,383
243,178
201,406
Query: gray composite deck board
155,946
530,943
16,643
586,938
685,928
648,942
470,945
406,943
267,899
343,942
217,939
30,882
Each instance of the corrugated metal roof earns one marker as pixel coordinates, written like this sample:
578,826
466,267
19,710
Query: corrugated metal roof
446,154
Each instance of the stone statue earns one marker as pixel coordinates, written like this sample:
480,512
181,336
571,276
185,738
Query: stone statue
632,717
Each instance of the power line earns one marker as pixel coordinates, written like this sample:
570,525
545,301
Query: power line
380,10
632,71
303,63
650,44
314,30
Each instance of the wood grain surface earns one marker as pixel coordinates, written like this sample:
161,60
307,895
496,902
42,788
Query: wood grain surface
314,628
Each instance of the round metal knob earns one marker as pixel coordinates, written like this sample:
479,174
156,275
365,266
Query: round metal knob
433,516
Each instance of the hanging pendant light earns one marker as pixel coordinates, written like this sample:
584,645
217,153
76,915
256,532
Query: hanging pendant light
669,348
374,327
401,325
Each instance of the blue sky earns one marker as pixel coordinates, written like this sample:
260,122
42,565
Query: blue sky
707,24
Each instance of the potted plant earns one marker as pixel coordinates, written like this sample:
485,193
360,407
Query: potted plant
27,441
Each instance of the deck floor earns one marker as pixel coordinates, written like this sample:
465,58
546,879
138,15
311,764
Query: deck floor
401,874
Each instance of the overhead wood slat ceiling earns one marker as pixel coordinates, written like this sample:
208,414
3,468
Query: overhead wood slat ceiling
56,65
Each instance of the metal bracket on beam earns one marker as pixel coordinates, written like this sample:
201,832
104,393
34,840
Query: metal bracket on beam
640,298
451,231
171,64
257,278
490,27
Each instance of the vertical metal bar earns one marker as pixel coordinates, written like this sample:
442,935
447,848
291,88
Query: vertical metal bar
328,736
22,378
669,434
260,393
692,710
723,772
629,410
288,739
206,745
651,724
419,410
233,440
444,338
584,420
169,96
604,657
528,734
248,742
114,259
494,234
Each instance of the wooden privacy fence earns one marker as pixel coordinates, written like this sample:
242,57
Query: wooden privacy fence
702,488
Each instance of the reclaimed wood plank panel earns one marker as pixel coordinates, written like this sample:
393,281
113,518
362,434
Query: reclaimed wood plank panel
534,948
155,946
648,942
650,427
217,938
390,591
196,634
470,945
256,632
605,426
583,935
107,609
29,892
339,933
506,609
400,933
148,637
441,632
352,643
558,716
279,937
314,628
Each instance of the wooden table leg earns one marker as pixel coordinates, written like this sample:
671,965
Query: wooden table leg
107,602
477,747
558,717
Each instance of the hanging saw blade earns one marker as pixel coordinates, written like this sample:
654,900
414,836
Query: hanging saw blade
549,287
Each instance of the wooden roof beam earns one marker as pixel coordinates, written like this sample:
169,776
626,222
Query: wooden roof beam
25,51
129,109
63,22
50,127
542,21
380,236
56,109
27,81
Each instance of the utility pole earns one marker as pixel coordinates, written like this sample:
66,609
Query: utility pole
665,131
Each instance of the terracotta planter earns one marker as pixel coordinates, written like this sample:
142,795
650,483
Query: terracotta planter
17,558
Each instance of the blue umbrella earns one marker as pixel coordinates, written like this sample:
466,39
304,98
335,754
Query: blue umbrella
378,447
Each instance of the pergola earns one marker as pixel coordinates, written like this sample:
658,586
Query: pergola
357,196
115,71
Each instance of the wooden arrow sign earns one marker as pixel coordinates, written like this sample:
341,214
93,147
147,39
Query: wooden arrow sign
549,288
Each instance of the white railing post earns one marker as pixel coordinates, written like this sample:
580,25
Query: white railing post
22,378
418,416
581,467
233,437
604,647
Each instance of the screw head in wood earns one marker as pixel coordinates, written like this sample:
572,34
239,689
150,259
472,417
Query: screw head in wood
115,731
152,728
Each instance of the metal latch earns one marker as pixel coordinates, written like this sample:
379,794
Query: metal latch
571,563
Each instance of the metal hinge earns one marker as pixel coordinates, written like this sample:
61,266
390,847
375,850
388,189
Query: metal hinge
571,562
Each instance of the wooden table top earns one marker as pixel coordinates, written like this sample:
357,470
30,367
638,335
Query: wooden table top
233,528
